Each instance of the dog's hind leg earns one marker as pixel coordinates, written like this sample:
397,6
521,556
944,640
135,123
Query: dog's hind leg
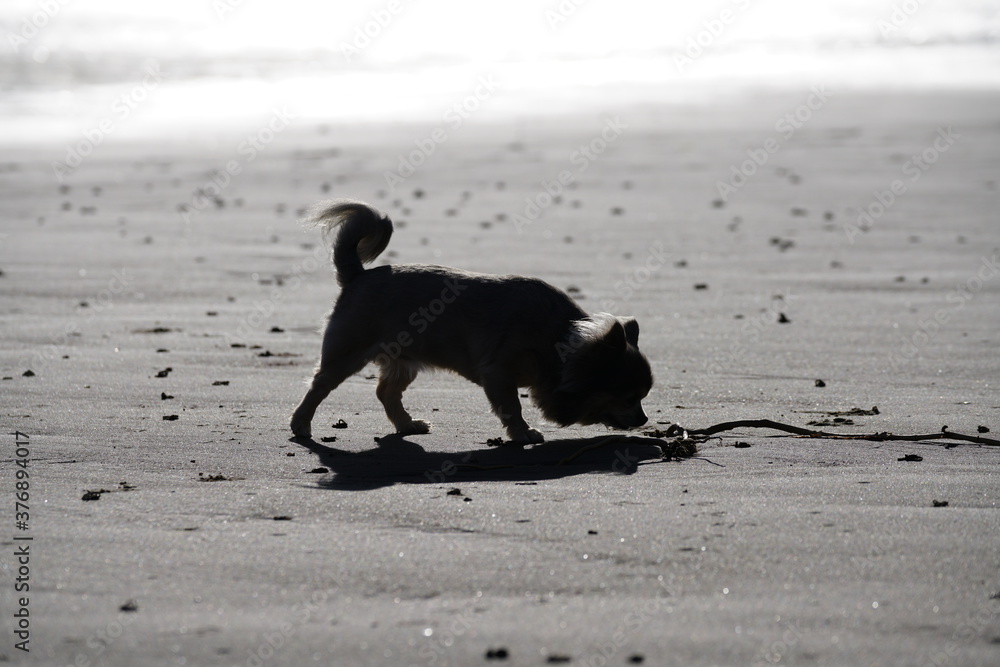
338,363
396,376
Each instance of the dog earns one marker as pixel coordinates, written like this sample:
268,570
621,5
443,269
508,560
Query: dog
502,332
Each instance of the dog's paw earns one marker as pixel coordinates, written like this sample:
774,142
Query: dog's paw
529,437
415,427
301,428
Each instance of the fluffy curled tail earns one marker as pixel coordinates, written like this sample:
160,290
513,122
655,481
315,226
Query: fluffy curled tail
363,234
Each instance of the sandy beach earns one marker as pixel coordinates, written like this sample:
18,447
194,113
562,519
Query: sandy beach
167,305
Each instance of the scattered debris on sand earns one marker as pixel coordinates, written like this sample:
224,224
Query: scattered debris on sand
95,494
836,421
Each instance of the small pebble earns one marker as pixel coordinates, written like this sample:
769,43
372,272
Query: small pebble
497,654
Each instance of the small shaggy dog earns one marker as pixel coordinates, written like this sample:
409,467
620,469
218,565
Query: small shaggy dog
501,332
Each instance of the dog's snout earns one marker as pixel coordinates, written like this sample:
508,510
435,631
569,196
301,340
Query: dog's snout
640,418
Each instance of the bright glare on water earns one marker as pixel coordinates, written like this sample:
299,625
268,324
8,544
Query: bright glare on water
69,64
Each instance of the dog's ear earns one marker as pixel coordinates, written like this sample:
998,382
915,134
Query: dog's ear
631,330
617,337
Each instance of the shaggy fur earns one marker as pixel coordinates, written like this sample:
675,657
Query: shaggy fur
501,332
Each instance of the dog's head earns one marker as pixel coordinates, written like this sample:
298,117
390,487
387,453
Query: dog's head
604,375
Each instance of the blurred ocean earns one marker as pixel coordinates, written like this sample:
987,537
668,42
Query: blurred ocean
68,66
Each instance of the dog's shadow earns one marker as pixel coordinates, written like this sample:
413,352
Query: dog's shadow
396,460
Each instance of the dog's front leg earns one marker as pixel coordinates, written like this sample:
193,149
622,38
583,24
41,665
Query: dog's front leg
502,394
